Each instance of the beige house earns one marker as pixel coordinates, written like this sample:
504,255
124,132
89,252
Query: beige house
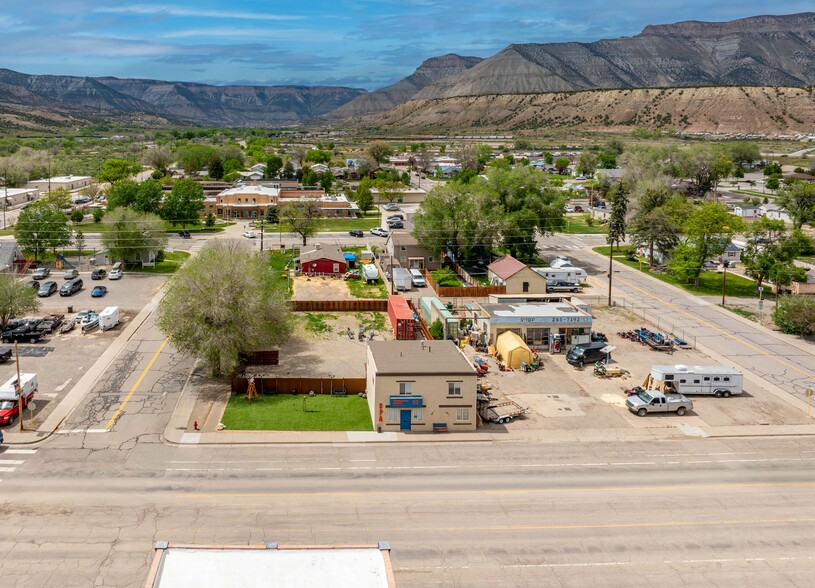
516,276
420,386
403,248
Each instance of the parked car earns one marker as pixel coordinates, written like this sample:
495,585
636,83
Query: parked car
71,287
649,401
562,286
98,274
391,206
19,335
250,234
41,272
396,224
578,208
379,232
47,288
33,284
99,291
568,208
184,234
396,216
115,274
356,233
5,354
351,275
70,274
588,353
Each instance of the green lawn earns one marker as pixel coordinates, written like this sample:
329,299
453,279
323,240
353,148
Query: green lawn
289,412
755,193
360,289
278,260
710,283
576,225
316,321
172,261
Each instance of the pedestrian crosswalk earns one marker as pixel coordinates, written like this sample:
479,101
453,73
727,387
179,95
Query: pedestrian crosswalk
10,459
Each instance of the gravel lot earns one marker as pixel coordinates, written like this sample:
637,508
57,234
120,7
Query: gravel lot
562,397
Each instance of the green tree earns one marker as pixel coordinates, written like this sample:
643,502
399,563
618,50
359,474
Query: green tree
149,196
272,215
192,158
795,315
209,221
215,169
707,165
617,224
40,227
799,200
97,214
59,197
122,194
587,163
318,156
273,166
656,223
772,168
182,204
113,170
562,164
309,178
302,216
770,253
379,151
239,311
16,298
708,231
326,180
389,190
133,236
744,153
159,158
437,330
77,216
364,197
773,182
79,241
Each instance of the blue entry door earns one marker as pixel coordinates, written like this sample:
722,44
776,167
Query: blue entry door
404,420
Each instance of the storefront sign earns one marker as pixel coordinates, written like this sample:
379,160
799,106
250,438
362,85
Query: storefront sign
545,320
406,402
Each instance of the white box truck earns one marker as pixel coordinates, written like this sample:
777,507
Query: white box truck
402,279
9,408
109,318
717,380
370,273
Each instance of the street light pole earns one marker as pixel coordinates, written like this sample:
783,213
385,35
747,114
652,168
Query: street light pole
610,265
724,282
19,387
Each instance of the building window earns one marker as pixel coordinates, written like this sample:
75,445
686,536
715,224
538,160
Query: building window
526,287
429,259
405,388
336,268
393,415
220,212
417,415
454,388
402,248
462,414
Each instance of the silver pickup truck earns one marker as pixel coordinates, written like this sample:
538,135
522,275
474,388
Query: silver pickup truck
649,401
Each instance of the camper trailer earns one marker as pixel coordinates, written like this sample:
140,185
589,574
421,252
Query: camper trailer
718,380
370,273
562,274
402,279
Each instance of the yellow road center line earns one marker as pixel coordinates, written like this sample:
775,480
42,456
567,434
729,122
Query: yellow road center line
715,328
119,410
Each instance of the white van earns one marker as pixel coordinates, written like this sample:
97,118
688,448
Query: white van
417,279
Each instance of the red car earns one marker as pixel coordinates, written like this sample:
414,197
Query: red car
578,209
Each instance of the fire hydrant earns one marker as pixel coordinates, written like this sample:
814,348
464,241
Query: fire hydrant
195,425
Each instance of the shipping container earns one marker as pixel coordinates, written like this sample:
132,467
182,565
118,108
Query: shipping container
401,318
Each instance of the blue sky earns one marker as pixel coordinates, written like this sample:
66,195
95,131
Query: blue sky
363,44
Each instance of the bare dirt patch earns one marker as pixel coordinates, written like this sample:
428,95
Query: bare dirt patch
320,288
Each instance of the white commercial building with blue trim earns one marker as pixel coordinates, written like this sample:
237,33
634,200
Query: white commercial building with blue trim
537,323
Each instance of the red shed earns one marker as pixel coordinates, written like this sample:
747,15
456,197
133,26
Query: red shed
321,260
401,317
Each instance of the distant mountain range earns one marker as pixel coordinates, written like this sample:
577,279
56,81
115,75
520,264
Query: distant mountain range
761,51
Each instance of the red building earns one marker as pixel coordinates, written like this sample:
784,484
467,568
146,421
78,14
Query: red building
321,261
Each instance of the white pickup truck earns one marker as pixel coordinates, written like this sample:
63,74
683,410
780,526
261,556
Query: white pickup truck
649,401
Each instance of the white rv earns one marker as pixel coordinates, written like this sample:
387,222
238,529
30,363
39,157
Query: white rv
565,273
370,273
718,380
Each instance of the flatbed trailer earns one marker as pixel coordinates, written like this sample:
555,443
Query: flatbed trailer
501,412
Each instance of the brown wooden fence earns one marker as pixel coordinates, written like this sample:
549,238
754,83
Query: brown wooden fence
270,385
462,292
360,305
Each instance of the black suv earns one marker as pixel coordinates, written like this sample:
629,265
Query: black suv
356,233
587,353
22,334
98,274
5,354
184,234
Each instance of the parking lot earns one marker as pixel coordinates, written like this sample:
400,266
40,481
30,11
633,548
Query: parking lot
130,293
563,397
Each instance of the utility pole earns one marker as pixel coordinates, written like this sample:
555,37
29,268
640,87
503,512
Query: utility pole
724,281
261,236
610,262
19,387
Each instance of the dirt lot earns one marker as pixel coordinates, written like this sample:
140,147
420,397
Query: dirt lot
562,397
320,345
321,288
